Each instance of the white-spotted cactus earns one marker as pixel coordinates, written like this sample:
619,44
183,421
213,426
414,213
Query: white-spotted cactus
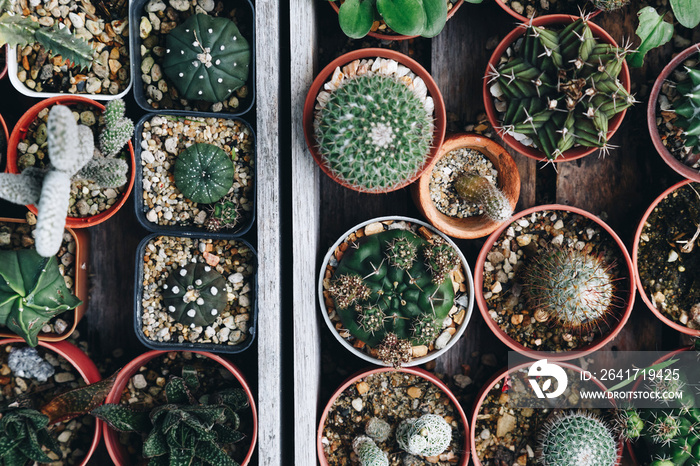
428,435
378,429
369,453
478,189
577,439
195,294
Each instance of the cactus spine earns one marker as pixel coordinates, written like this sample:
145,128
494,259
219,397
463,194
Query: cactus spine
478,189
369,453
577,439
429,435
118,129
688,109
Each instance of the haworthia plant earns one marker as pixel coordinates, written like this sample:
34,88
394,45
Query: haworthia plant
203,173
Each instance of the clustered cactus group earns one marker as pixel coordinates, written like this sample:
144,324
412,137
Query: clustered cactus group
478,189
195,294
374,129
392,290
577,439
561,88
687,108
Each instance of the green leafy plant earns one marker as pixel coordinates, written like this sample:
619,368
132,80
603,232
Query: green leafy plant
207,58
428,435
577,439
32,292
407,17
653,32
195,294
478,189
688,108
561,88
687,12
203,173
369,453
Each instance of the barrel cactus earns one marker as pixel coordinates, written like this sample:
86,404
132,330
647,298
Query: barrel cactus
478,189
203,173
687,108
428,435
577,439
206,58
561,88
369,453
394,283
195,294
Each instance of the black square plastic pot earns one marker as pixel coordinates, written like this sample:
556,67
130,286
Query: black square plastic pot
190,230
137,10
189,346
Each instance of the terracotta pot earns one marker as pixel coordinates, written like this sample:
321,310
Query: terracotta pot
379,35
635,251
80,283
414,362
20,131
87,370
412,370
325,75
678,166
549,20
118,452
523,19
468,227
566,355
483,393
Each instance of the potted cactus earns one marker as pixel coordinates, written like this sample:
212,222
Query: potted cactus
192,57
394,291
562,93
555,279
470,188
388,426
383,156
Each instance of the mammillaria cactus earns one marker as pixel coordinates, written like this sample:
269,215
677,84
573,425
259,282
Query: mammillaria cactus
478,189
428,435
32,292
577,439
397,284
207,58
369,453
688,108
609,5
574,287
195,294
561,88
118,129
377,429
374,130
203,173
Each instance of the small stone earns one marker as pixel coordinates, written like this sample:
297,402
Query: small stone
442,340
180,5
26,362
83,207
414,392
207,5
485,434
672,256
357,404
46,21
462,380
63,377
147,157
419,351
60,326
76,20
362,387
87,118
154,6
506,424
523,240
152,216
64,436
171,145
92,85
374,228
139,381
146,64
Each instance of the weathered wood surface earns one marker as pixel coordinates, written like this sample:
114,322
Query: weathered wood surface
618,187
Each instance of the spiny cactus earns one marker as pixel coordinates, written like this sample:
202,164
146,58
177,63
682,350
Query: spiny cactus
561,88
368,452
609,5
377,429
394,282
428,435
688,108
577,439
24,432
118,129
394,351
33,292
203,173
195,294
104,172
207,58
478,189
374,132
223,214
574,287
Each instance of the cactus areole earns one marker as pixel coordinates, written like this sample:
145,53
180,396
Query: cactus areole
195,294
394,283
206,58
203,173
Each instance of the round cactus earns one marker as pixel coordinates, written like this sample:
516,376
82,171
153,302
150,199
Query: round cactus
368,452
203,173
574,287
429,435
378,429
577,439
688,108
609,5
478,189
374,133
206,58
195,294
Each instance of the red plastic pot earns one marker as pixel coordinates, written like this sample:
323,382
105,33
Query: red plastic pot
324,76
678,166
118,452
80,283
549,20
378,35
85,367
483,393
409,370
6,135
20,131
523,19
635,250
507,339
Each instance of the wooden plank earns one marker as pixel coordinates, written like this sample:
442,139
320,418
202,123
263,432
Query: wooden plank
305,231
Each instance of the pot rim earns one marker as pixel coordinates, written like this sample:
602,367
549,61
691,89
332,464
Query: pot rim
564,355
523,19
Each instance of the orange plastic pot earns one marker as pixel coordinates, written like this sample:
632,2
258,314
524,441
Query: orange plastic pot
408,370
523,19
476,226
678,166
6,135
512,343
510,39
118,452
80,284
378,35
20,131
87,370
324,76
635,252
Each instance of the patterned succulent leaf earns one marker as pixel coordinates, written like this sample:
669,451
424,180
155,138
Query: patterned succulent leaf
203,173
176,391
228,434
78,401
234,398
122,418
27,429
8,443
155,444
195,294
356,17
207,58
189,374
70,47
17,30
213,454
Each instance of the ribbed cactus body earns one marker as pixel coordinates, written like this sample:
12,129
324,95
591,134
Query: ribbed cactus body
118,129
478,189
688,108
369,453
428,435
609,5
577,439
203,173
374,133
195,294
